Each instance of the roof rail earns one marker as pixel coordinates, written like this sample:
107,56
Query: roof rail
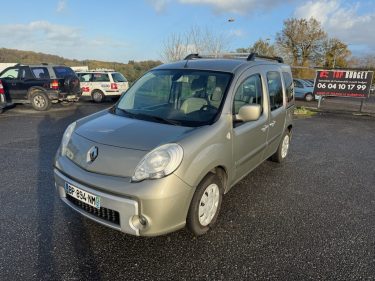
253,56
192,56
101,70
247,56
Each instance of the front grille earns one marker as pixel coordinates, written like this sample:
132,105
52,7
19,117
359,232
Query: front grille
103,213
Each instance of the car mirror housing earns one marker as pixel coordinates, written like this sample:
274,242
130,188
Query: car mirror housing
249,112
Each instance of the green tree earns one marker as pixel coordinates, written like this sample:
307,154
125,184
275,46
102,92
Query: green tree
301,41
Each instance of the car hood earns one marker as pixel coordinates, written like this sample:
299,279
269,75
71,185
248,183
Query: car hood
123,132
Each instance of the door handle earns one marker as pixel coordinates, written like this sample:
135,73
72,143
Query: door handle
273,123
264,128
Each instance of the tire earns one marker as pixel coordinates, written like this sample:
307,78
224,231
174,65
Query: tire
97,96
205,205
309,97
283,149
40,101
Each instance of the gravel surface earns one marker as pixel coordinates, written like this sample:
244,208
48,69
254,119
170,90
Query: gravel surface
312,217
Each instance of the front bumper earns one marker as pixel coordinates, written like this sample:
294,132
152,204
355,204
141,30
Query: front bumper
163,203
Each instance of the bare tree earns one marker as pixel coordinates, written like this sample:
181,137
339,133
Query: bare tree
301,41
195,40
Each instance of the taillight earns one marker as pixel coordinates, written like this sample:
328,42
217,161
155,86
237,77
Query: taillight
1,88
54,85
85,89
114,86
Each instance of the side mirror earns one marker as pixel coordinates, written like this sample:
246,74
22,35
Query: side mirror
249,112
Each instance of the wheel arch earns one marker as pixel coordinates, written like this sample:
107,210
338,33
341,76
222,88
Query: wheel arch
34,89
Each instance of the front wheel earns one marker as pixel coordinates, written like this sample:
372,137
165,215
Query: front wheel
283,149
205,205
40,101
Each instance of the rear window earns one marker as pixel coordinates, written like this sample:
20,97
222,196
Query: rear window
118,77
62,71
100,77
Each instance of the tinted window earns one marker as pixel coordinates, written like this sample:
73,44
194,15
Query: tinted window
100,77
40,72
249,92
288,86
118,77
11,73
25,73
275,89
62,71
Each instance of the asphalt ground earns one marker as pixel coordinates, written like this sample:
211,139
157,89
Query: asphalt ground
311,218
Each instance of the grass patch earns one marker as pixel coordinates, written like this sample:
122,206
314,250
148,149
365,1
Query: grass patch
303,111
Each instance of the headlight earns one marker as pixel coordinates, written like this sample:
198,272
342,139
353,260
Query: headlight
66,137
159,162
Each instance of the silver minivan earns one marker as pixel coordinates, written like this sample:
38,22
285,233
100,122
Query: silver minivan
179,139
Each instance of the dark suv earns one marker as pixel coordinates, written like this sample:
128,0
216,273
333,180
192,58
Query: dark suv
39,84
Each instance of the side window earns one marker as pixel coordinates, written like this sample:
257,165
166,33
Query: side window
85,77
100,77
249,92
289,86
40,72
11,73
26,73
275,89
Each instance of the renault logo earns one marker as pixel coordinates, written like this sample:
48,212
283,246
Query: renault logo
92,154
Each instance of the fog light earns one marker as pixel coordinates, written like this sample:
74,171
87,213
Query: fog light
139,222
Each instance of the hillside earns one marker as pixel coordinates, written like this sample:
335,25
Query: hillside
132,70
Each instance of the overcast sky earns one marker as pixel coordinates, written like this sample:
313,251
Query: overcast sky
135,30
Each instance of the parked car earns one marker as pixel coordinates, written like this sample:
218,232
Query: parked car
303,90
102,83
183,135
38,84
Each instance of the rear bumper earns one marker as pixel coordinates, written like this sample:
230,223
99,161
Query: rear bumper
61,96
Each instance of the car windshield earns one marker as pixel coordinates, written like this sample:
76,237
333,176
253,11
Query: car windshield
118,77
180,97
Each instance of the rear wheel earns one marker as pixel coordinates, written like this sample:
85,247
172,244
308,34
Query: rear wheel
309,97
40,101
97,96
205,205
283,149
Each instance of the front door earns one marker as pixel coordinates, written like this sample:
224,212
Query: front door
9,80
249,138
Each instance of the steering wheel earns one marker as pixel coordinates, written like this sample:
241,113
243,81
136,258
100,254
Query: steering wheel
11,76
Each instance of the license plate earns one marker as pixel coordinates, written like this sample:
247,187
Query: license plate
82,195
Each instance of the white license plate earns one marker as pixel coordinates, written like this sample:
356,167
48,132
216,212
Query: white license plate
82,195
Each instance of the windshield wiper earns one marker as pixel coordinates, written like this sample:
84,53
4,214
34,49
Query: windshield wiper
148,117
